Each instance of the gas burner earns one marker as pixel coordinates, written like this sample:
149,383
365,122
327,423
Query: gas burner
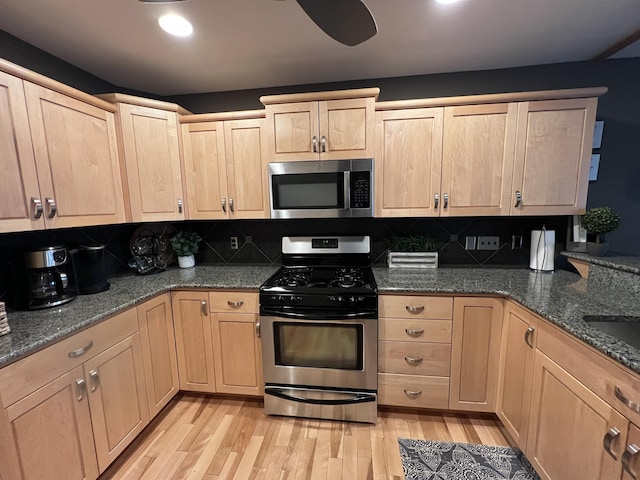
295,277
347,278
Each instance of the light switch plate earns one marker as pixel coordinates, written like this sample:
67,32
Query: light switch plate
470,242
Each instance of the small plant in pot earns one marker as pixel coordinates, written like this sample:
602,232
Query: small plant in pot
185,244
413,251
597,222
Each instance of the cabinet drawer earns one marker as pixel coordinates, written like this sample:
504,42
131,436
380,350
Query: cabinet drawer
414,330
415,306
46,365
413,391
234,301
414,358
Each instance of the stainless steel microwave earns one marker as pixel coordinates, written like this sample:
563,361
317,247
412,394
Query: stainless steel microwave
322,189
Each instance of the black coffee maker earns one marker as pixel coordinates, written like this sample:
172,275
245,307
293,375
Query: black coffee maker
42,278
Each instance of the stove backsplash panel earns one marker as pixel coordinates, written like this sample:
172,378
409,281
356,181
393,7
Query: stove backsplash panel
259,241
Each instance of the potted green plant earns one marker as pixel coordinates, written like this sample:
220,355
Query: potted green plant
413,251
597,222
185,245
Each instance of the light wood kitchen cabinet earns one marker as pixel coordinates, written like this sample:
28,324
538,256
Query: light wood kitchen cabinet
237,347
517,354
194,341
477,159
148,133
408,162
157,337
224,165
320,126
631,464
475,353
414,350
553,155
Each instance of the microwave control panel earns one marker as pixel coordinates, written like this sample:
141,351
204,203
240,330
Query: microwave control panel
360,189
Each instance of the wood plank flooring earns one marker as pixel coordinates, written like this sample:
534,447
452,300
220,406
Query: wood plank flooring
209,437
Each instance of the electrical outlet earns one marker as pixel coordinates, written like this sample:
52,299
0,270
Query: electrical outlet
470,242
488,243
233,242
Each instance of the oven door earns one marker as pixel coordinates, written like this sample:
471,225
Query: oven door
333,354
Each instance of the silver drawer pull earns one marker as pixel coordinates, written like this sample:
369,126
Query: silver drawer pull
436,200
258,332
53,208
237,304
180,205
314,143
412,309
527,336
414,332
627,403
412,393
627,457
37,208
203,307
95,380
413,361
518,199
82,388
224,205
446,200
80,351
609,437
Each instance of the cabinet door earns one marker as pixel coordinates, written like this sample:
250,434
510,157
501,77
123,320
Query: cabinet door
238,358
77,159
477,160
475,353
291,130
19,191
159,351
346,128
408,161
205,170
632,469
152,157
51,429
517,354
567,427
553,154
246,168
193,341
117,397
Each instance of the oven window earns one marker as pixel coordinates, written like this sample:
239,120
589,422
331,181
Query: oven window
319,345
308,190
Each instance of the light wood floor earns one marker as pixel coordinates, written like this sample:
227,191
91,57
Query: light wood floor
211,437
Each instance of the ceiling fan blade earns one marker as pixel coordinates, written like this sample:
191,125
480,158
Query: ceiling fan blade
348,21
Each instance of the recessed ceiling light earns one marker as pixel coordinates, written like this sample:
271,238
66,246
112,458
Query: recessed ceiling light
447,2
176,25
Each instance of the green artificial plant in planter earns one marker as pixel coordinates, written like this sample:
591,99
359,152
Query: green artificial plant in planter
413,251
185,244
598,221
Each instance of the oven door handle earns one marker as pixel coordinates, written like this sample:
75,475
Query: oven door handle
356,398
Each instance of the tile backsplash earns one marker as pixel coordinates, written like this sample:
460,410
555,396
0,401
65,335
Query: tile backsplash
259,241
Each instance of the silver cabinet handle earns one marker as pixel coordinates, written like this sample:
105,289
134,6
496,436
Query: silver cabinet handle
446,200
527,336
323,144
414,332
258,332
436,200
231,204
82,388
413,361
205,310
53,208
94,380
314,143
80,351
37,208
627,403
518,199
411,309
179,205
224,205
627,457
236,304
412,393
612,434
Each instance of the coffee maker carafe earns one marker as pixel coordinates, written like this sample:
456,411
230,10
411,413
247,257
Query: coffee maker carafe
45,280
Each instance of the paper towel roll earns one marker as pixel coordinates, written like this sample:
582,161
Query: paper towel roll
543,248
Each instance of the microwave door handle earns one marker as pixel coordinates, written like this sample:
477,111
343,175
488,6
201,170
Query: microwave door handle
347,189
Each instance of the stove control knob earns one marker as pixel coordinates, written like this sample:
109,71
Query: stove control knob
282,299
340,299
352,299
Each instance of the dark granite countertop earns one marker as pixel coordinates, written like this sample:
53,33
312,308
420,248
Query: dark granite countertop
561,297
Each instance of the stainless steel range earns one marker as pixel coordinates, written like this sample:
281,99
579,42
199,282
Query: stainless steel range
319,326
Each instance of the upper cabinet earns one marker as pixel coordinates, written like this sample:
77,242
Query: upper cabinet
60,156
320,126
224,158
148,132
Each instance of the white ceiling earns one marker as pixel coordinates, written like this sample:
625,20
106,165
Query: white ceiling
242,44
